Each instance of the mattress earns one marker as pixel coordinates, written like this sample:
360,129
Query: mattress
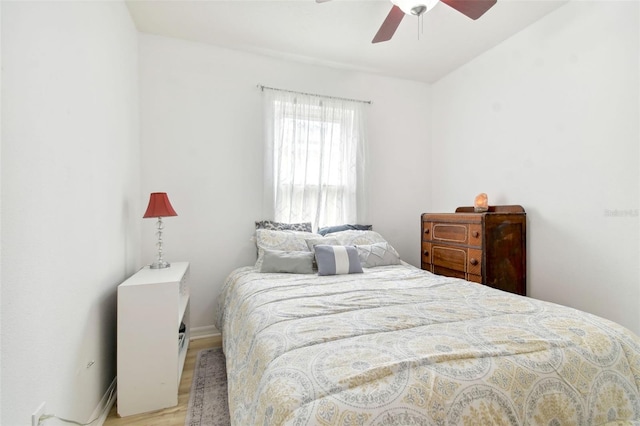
397,345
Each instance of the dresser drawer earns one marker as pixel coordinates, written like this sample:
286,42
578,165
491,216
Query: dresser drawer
463,259
426,253
456,258
453,233
449,257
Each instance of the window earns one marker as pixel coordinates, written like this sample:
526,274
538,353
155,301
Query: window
314,159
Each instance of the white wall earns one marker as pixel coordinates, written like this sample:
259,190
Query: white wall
549,119
202,144
71,200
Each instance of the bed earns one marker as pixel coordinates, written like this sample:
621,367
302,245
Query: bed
396,345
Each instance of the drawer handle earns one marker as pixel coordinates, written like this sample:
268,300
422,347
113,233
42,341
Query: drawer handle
426,231
475,234
473,261
426,253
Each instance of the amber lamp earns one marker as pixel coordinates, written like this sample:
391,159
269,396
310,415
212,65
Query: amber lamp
159,206
481,203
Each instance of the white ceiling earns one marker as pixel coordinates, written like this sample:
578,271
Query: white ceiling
339,32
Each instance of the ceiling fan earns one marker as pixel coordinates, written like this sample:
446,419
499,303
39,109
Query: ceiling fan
471,8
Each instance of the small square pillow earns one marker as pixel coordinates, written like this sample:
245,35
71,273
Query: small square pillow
293,262
281,226
378,254
337,260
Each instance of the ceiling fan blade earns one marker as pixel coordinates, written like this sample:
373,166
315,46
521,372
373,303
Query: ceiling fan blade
390,25
472,8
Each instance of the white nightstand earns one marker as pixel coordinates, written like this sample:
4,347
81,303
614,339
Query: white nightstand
152,306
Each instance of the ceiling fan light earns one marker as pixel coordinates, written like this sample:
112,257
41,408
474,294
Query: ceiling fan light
415,7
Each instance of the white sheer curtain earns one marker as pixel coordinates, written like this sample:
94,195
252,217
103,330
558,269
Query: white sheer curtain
314,159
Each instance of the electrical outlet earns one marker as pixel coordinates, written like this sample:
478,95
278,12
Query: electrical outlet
35,417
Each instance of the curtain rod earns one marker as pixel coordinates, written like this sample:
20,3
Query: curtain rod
261,87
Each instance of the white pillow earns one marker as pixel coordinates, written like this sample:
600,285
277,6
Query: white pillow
377,254
352,238
325,241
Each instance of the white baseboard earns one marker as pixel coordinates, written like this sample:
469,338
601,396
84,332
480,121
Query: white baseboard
202,332
106,403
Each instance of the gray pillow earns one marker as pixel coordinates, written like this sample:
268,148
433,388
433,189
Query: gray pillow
280,240
346,227
293,262
377,254
336,260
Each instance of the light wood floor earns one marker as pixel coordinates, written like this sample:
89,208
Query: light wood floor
174,416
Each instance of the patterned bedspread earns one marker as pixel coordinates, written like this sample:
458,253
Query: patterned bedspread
400,346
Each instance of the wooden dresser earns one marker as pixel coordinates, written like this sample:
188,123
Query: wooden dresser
487,248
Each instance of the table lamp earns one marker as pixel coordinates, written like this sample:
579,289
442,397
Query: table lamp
159,206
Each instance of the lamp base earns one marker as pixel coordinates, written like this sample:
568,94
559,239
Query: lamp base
159,265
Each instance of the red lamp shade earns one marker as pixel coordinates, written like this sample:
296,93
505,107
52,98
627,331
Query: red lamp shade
159,206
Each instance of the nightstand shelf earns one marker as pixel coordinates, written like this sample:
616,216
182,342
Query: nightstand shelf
153,308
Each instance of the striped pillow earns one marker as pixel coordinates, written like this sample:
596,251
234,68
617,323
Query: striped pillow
336,260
